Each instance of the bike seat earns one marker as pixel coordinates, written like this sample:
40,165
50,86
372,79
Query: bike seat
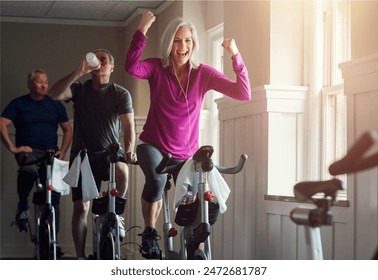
202,159
203,153
304,191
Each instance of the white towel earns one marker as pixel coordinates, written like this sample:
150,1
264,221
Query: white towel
219,187
183,181
88,184
215,180
59,170
72,177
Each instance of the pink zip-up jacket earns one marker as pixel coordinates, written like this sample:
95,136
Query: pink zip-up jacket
172,123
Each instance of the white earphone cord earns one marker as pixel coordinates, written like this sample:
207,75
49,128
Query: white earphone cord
187,104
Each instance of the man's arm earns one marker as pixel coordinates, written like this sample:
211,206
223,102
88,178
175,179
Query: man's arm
128,128
61,89
6,140
67,139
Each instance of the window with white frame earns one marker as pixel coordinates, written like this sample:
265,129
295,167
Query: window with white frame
336,49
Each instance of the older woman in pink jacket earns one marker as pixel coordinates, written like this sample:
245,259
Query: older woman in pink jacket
178,84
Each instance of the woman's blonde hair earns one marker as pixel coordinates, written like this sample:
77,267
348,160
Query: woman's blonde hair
167,41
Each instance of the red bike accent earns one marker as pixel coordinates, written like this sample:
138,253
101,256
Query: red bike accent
172,232
114,192
208,196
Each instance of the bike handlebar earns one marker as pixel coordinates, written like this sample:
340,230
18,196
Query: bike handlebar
164,166
111,154
111,150
354,160
49,154
236,169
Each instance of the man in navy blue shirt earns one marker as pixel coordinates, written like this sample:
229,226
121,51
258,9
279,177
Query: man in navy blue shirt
36,118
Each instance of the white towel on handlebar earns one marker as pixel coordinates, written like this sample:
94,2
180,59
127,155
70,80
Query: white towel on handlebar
215,181
88,184
59,170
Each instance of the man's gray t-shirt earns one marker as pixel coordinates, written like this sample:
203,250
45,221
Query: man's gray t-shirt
96,115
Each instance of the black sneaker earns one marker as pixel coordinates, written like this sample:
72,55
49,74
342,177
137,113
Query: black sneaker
150,247
22,220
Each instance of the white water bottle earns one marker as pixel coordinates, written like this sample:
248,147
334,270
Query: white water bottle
92,59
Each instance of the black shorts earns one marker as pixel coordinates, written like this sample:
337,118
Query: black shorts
100,169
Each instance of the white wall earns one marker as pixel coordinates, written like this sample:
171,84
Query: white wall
361,90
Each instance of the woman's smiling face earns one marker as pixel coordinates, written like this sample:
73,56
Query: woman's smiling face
182,46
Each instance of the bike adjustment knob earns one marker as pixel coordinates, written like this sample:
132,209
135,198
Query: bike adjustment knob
114,192
172,232
208,196
50,187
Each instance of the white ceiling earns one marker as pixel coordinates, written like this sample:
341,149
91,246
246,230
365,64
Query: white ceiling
105,12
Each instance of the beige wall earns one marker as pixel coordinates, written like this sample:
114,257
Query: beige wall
286,43
251,32
364,28
213,18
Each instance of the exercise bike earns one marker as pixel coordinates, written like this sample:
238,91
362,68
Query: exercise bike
324,193
197,215
45,232
106,211
313,219
44,237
